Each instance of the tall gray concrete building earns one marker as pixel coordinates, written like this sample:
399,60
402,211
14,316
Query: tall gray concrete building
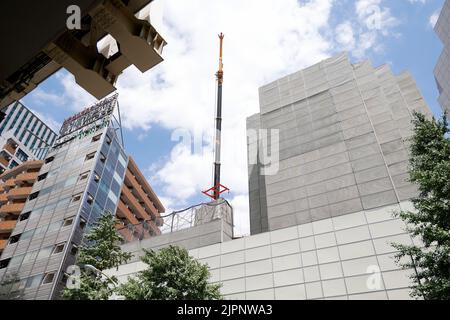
342,143
442,70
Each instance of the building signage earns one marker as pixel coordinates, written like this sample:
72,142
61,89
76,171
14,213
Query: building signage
87,121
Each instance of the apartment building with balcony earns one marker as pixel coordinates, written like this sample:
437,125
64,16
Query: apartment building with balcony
15,187
13,152
23,137
139,208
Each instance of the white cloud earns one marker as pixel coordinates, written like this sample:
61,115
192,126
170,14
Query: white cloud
433,19
366,29
72,96
345,36
48,120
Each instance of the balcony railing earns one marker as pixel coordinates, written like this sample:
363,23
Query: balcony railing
7,226
3,244
13,208
27,176
19,193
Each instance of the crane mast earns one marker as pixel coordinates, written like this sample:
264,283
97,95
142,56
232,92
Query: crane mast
218,141
217,189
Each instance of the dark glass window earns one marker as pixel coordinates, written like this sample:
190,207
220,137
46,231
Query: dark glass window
24,216
21,155
90,156
13,164
49,159
4,263
14,238
42,176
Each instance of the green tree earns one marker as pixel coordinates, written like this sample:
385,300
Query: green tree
171,275
102,251
430,171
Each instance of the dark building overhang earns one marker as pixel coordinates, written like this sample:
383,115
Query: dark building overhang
36,43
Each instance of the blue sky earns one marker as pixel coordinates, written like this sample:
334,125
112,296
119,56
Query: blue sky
263,40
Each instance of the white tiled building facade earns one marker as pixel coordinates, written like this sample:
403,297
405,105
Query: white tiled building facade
336,258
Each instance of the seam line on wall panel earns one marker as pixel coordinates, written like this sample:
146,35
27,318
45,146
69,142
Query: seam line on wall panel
376,136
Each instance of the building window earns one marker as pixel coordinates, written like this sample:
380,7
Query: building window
4,263
33,282
49,159
33,196
67,222
90,199
74,249
42,176
48,278
96,177
76,197
102,157
84,176
58,248
45,252
90,156
13,164
14,238
108,140
96,138
24,216
82,223
21,155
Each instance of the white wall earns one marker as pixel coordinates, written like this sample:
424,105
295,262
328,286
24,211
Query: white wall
328,259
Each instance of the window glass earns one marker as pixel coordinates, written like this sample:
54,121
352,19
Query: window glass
26,234
54,172
15,261
24,216
37,212
58,248
117,178
21,155
42,176
70,181
122,161
30,256
112,196
40,230
45,252
84,175
48,278
45,191
54,226
62,203
115,187
33,282
49,208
